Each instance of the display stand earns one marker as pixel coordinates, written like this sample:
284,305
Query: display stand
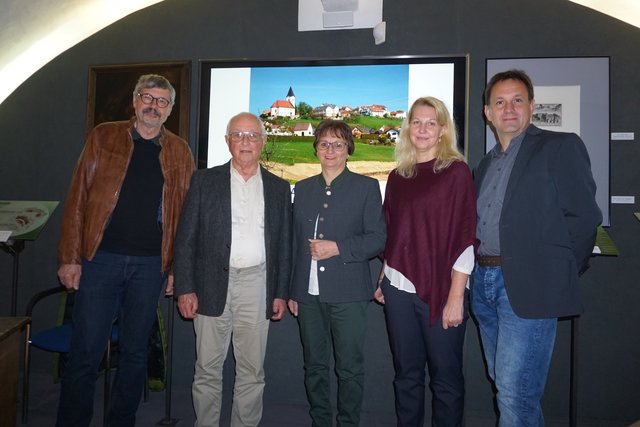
604,247
13,248
21,221
167,420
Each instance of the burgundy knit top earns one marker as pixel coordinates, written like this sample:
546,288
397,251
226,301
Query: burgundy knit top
431,220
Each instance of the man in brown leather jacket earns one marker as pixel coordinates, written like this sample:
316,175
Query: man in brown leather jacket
116,247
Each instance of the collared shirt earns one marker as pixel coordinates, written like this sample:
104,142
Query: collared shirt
491,195
247,220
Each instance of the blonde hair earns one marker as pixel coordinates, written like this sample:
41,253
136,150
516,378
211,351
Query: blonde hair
446,150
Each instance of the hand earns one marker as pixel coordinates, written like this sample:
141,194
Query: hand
453,312
293,307
169,289
378,295
279,308
188,305
323,249
69,275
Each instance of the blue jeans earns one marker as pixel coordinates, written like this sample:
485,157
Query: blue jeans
517,351
111,286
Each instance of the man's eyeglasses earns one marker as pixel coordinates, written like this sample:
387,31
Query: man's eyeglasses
148,99
239,136
337,145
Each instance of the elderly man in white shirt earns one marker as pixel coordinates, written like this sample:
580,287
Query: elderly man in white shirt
232,267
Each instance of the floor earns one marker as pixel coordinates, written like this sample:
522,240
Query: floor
44,397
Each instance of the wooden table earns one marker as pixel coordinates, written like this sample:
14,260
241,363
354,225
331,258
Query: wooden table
10,343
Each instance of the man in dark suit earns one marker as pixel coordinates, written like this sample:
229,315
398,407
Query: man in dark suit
537,220
232,268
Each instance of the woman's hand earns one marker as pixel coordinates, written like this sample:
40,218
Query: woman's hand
323,249
453,312
378,295
293,307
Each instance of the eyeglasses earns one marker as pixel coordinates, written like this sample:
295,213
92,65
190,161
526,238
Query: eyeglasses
337,145
240,135
148,99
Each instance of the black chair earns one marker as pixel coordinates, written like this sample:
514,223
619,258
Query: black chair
57,339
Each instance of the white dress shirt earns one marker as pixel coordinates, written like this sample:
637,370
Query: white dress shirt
247,220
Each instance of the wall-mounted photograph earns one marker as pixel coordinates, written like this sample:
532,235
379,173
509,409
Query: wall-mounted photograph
547,115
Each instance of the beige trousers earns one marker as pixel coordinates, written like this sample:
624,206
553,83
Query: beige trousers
243,321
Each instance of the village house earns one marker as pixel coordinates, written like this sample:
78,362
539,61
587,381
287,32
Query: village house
326,110
399,114
303,129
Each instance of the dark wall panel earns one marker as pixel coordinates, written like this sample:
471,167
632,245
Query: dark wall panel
42,127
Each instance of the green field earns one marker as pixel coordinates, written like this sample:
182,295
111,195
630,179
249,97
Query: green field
356,120
302,152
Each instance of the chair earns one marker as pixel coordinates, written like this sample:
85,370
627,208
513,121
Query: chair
58,340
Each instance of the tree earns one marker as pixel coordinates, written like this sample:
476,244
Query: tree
304,109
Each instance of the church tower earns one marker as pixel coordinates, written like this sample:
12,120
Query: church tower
291,97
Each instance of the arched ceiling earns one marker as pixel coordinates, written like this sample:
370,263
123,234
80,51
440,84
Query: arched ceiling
33,32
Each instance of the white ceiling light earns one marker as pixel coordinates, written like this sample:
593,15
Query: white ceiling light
35,34
624,10
319,15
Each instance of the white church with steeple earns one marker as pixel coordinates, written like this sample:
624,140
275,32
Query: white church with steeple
284,107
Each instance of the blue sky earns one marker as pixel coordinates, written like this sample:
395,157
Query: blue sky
351,85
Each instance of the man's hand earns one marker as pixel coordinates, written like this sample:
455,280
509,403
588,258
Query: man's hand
169,289
69,275
279,307
188,305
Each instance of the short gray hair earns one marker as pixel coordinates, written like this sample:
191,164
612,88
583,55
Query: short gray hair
152,81
263,130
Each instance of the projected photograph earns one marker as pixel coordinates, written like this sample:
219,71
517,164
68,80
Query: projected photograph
372,97
292,101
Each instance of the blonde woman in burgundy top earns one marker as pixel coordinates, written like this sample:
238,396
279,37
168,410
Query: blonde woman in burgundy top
430,212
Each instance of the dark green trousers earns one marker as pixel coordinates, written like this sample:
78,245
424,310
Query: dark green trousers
342,325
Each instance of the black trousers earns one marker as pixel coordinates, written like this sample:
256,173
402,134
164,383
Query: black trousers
414,344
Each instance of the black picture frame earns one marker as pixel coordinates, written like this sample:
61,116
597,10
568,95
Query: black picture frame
460,96
110,91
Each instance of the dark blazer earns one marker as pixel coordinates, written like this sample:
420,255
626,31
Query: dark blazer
548,223
203,241
351,215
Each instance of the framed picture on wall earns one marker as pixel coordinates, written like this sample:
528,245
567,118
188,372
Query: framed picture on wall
571,95
111,87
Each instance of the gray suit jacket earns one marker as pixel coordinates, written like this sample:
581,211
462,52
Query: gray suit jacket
203,240
548,224
352,217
